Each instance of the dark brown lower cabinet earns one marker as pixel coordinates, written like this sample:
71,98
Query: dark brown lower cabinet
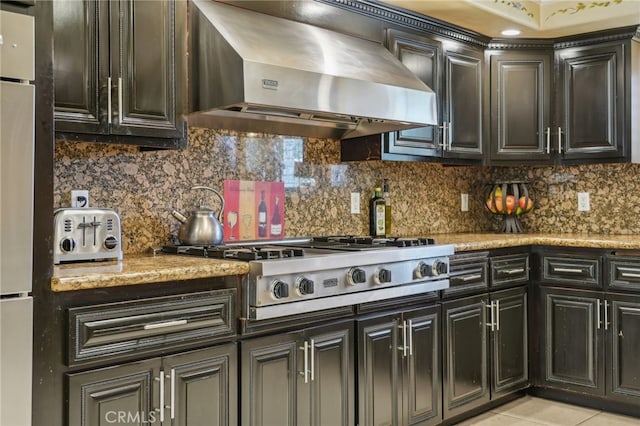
465,354
399,368
197,387
509,342
485,349
592,342
573,340
623,347
299,378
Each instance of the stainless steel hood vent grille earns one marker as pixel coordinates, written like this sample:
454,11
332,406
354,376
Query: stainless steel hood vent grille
254,72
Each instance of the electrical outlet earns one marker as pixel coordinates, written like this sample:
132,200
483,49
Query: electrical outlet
583,202
79,198
464,202
355,203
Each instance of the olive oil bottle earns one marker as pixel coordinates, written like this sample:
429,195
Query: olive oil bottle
377,214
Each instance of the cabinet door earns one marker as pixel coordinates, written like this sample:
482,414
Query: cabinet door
592,83
379,393
573,341
520,105
422,371
269,381
463,102
202,388
81,65
623,342
328,396
509,342
465,362
146,56
126,394
423,57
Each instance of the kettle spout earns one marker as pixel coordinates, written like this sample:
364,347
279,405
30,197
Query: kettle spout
181,218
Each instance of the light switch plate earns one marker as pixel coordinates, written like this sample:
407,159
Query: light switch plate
464,202
583,202
355,203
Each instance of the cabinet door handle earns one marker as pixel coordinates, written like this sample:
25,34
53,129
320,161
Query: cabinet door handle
173,393
410,326
606,315
598,314
491,324
513,271
559,140
569,270
160,378
449,135
305,373
313,359
164,324
403,348
109,100
548,140
120,101
630,275
497,315
444,135
471,277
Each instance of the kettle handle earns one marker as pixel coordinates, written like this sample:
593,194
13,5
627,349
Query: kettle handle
219,196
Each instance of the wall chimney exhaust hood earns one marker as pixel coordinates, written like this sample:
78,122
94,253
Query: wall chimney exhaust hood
258,73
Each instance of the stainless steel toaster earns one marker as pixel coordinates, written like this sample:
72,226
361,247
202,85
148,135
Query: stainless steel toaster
86,234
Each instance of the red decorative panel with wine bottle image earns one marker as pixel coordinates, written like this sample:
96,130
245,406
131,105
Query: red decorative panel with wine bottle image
253,210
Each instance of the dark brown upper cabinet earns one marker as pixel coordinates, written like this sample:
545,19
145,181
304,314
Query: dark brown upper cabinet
120,71
520,105
568,103
592,104
454,71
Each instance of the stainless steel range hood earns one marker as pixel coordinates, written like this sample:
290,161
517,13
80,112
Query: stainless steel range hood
254,72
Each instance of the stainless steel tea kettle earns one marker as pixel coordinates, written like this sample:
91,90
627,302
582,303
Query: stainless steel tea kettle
201,227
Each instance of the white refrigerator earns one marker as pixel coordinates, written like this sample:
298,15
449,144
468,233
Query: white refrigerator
16,216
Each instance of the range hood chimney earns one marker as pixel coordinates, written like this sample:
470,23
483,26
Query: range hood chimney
258,73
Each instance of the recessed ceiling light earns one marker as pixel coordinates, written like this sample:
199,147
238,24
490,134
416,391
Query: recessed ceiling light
510,32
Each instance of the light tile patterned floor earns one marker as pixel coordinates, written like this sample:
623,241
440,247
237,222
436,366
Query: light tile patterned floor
530,411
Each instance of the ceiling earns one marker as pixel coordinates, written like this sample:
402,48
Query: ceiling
534,18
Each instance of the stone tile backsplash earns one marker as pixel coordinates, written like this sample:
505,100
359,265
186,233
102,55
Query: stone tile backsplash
144,186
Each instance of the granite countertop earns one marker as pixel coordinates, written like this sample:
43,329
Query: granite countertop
146,269
141,269
468,242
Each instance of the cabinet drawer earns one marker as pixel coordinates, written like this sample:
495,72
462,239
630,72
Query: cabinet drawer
116,330
468,274
580,271
624,272
509,270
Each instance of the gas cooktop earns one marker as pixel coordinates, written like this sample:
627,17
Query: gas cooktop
278,249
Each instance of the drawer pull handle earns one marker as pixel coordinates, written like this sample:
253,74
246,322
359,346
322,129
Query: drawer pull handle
164,324
471,277
569,270
514,271
630,275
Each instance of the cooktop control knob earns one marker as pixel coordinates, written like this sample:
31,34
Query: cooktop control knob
67,244
438,268
422,270
356,276
304,285
279,289
110,242
382,276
